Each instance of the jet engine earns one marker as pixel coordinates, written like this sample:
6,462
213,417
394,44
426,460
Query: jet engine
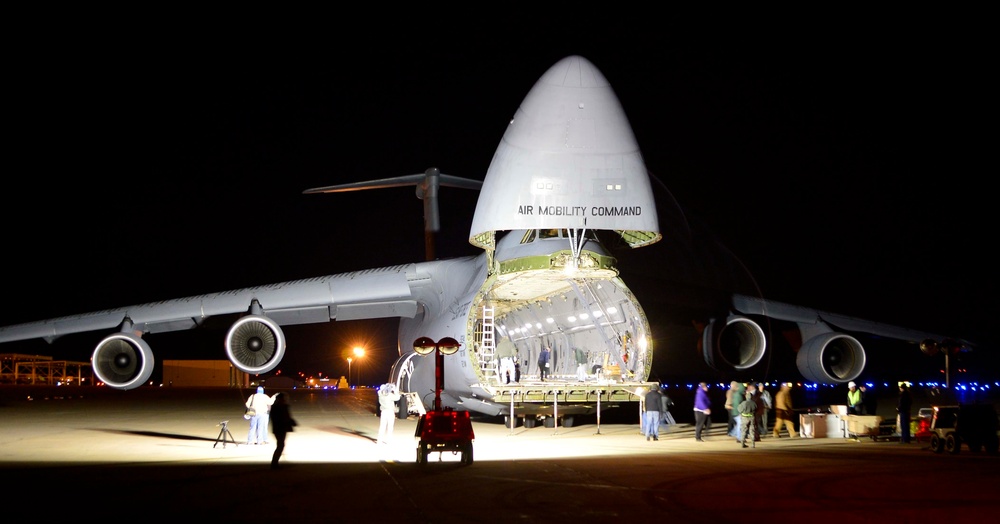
826,355
123,361
737,344
831,357
255,344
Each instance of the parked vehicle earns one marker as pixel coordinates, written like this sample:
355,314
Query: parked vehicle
921,426
975,425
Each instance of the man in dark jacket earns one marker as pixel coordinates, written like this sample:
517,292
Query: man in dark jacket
651,420
281,424
759,413
765,397
544,359
748,413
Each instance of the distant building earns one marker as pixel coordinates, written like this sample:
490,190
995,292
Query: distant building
276,382
41,370
187,373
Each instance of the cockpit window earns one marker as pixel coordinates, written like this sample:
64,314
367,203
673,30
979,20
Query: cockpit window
532,234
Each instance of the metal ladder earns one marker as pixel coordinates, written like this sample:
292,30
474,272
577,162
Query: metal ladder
488,345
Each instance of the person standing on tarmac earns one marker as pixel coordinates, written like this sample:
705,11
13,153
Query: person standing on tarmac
748,423
261,404
733,398
387,398
666,418
854,399
282,424
702,410
869,400
765,397
758,415
783,411
651,417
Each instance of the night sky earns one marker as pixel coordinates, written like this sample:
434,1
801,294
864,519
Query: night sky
839,166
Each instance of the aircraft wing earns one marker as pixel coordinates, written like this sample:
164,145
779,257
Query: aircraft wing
375,293
826,349
808,316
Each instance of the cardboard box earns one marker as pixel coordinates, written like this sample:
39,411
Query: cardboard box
866,425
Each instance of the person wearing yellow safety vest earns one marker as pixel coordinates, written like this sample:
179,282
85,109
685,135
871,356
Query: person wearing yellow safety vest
854,399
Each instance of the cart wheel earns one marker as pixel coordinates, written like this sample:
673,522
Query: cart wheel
937,444
567,421
952,444
421,453
467,454
529,422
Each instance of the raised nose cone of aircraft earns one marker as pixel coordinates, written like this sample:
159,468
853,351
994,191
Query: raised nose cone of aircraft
568,159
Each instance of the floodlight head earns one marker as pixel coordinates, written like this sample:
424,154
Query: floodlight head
448,346
424,346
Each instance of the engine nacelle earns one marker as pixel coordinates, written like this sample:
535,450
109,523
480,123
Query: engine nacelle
255,344
737,344
831,357
123,361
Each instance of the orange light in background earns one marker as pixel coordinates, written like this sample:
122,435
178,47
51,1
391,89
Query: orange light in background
359,353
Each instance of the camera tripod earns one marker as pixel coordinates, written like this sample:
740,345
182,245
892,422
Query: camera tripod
224,435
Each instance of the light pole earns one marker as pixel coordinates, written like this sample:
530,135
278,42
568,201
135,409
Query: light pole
349,359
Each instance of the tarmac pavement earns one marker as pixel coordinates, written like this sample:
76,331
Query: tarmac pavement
156,452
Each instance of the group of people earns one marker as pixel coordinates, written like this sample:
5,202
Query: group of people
508,364
276,410
746,407
859,402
